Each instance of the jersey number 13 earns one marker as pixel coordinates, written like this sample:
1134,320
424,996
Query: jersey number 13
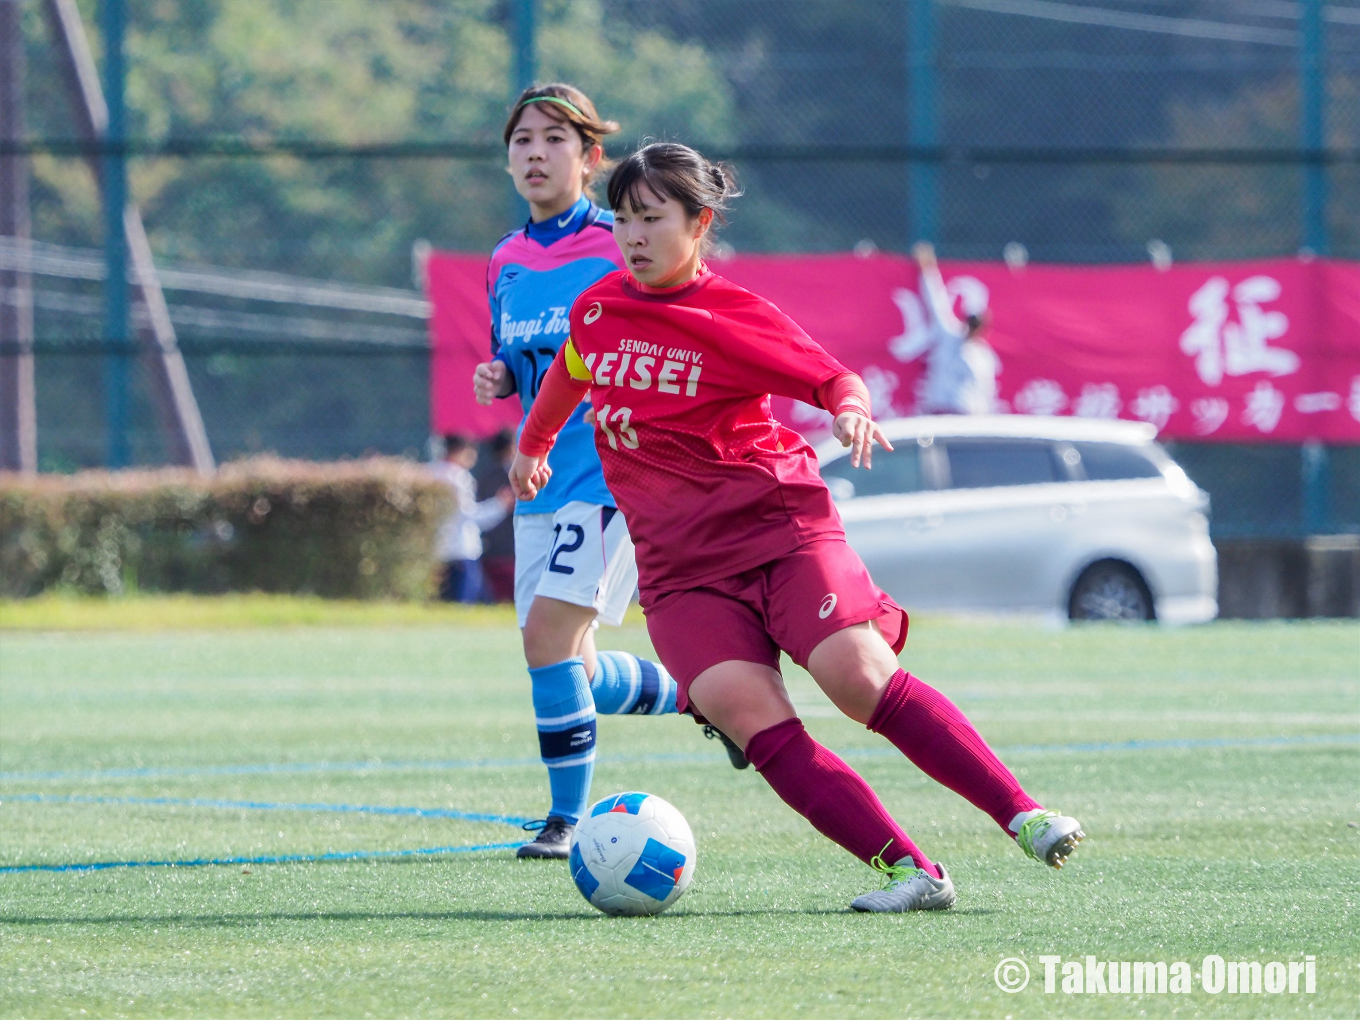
621,418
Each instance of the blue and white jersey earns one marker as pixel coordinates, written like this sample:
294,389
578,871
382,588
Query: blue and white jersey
534,276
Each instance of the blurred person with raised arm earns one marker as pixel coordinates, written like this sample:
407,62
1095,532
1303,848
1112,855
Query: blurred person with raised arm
961,367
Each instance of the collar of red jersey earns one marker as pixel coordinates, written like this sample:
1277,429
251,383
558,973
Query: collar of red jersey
670,292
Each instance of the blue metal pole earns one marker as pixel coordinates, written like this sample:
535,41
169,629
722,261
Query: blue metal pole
923,125
524,71
117,339
1317,489
1313,97
526,50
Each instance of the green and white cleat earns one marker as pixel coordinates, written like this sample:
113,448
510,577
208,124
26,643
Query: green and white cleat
1048,837
907,888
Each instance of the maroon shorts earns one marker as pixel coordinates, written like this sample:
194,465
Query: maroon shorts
793,603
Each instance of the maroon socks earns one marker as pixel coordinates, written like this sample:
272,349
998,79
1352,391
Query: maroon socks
925,726
940,741
830,794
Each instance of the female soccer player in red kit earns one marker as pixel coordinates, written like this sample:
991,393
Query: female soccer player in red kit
740,551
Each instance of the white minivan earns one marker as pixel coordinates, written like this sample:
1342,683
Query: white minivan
1012,513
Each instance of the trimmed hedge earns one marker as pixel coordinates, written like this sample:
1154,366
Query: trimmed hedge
354,529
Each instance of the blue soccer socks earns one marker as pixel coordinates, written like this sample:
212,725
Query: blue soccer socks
565,716
565,703
626,685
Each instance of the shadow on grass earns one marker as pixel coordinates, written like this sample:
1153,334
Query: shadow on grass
243,920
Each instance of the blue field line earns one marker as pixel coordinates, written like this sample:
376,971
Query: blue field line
437,765
199,862
257,805
273,768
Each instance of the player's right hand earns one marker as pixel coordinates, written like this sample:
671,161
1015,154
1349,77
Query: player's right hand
859,434
528,475
487,380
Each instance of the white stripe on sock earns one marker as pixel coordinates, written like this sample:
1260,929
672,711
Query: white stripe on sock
564,720
634,683
580,759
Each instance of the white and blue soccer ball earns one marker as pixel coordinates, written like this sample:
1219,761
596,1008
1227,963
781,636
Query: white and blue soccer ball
633,854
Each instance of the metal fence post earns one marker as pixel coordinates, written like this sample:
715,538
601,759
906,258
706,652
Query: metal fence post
1313,99
526,44
923,121
169,388
525,70
116,334
1317,486
18,411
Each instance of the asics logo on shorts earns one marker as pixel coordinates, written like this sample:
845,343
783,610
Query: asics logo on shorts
828,604
592,313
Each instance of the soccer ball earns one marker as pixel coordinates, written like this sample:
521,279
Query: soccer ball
632,855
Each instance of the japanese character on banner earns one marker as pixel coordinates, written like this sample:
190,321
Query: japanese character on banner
1155,404
915,337
1220,347
1041,397
1098,400
918,336
1317,403
1210,413
1264,405
881,384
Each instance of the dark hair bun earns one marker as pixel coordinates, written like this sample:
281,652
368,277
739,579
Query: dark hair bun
673,171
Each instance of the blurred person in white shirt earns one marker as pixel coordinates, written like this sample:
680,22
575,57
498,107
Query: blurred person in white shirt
459,543
961,367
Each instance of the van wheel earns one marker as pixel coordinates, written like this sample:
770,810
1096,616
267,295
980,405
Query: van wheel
1110,590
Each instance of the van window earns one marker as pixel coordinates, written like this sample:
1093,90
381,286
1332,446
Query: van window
898,471
982,463
1107,462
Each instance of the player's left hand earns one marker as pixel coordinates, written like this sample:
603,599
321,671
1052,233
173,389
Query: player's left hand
528,475
860,434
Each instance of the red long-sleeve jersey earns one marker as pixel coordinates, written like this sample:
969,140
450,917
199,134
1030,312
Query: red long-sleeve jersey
709,482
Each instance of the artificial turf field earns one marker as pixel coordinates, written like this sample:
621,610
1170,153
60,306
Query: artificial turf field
1216,771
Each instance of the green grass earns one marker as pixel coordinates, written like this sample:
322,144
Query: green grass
1245,850
231,612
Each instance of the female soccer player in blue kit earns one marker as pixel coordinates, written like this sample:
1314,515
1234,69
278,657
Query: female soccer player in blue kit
574,560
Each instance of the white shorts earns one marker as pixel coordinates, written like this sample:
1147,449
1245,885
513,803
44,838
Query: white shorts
581,554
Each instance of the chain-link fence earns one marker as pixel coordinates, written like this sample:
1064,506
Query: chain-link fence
287,156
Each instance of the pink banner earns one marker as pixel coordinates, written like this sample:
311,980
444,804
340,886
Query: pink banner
1263,351
460,337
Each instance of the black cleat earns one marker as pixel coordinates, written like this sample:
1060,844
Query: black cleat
552,842
734,753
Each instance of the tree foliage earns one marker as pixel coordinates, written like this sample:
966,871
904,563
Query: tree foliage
348,72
